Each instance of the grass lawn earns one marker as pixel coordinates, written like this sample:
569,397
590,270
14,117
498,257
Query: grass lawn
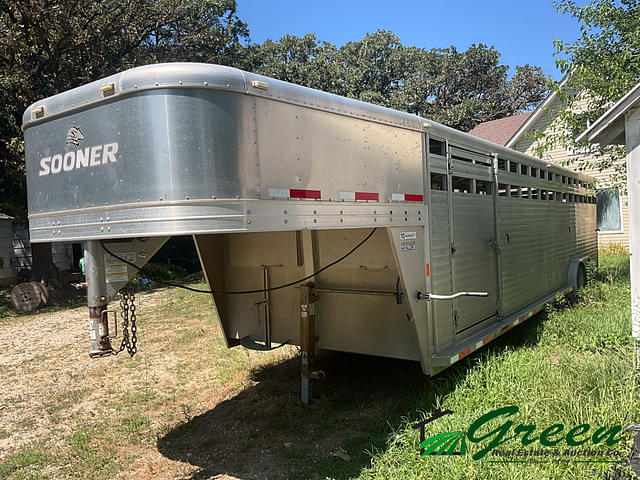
568,365
187,407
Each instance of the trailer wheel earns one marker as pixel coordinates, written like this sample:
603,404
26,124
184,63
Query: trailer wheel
581,278
577,277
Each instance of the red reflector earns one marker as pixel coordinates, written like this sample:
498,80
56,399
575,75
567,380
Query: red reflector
305,193
408,197
366,196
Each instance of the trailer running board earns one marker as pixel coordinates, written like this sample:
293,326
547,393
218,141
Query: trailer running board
469,345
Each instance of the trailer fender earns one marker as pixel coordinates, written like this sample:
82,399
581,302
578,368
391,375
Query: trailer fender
577,273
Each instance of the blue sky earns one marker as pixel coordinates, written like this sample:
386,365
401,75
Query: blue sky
522,31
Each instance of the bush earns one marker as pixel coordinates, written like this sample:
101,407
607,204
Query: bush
163,272
613,249
612,267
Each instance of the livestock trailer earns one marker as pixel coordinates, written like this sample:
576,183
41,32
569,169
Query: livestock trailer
320,221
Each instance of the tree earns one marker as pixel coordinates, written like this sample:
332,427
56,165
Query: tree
463,89
300,60
459,89
48,46
372,68
600,67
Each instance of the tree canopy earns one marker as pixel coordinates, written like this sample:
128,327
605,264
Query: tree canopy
459,89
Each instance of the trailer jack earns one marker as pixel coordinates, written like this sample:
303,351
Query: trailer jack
97,298
308,341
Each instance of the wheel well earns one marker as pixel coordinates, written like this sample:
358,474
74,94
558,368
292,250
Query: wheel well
575,267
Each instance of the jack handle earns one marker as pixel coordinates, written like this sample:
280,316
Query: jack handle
105,319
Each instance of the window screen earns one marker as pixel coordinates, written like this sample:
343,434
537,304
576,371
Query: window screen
608,210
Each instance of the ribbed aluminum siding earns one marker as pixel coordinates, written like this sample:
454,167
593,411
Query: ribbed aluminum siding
441,268
539,238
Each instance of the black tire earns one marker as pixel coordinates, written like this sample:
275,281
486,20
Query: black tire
581,277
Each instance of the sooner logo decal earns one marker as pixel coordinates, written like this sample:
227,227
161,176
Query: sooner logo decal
80,157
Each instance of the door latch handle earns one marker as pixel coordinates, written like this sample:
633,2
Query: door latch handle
431,296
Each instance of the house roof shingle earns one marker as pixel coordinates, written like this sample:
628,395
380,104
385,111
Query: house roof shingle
500,131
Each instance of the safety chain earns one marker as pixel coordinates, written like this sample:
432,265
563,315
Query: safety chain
128,313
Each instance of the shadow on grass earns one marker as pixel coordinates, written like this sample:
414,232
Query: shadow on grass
264,431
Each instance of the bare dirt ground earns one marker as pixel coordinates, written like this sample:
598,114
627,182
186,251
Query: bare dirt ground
185,406
50,386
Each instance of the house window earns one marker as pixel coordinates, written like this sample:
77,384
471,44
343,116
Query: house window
608,211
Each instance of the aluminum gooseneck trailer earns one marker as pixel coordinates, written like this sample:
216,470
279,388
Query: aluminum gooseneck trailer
463,239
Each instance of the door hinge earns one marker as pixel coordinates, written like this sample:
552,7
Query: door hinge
493,243
455,319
